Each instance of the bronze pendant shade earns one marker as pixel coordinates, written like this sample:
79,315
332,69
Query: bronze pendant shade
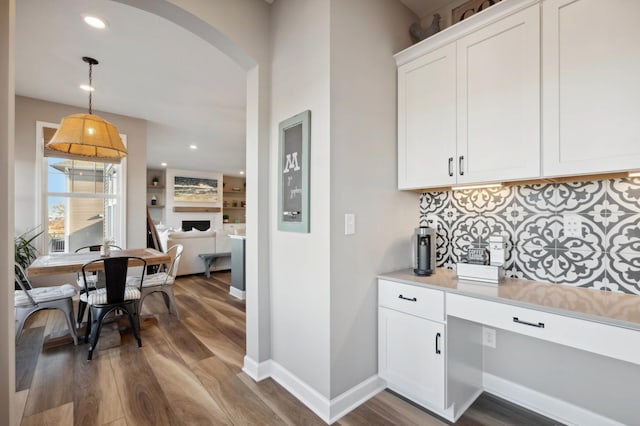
88,136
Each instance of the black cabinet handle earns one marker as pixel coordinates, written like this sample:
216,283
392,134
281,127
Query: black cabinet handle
460,168
450,166
519,321
438,343
412,299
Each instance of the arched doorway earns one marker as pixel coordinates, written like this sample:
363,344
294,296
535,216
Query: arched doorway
249,52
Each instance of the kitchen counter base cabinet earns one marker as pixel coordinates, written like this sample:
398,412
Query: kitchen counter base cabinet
602,329
413,355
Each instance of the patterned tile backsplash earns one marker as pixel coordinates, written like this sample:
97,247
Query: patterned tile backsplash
531,218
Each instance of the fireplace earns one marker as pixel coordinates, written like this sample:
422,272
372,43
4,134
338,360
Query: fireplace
200,225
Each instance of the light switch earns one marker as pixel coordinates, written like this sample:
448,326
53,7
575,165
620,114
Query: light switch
349,224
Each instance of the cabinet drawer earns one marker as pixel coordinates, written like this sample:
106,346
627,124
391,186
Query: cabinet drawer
608,340
419,301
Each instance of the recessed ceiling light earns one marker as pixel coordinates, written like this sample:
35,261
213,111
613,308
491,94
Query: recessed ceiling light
95,22
163,164
193,146
87,88
241,172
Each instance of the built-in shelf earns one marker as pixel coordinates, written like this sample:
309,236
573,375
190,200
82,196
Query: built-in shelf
237,213
156,193
197,209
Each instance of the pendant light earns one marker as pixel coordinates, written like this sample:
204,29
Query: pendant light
88,136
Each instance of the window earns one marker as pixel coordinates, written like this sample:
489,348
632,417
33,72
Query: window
82,202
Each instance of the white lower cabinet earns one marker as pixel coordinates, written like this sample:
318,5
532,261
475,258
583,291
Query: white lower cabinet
412,356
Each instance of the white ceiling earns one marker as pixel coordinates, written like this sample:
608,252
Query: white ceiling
188,91
149,68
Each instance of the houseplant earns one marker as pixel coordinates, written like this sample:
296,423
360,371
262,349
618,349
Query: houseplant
155,180
25,251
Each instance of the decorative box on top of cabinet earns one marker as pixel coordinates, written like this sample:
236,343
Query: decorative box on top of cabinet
469,101
591,93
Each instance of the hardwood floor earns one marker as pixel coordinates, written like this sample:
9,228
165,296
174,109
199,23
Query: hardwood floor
187,372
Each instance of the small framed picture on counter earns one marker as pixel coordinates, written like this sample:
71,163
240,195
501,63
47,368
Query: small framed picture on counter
293,173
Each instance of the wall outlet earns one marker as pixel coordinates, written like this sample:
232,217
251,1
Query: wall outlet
432,221
572,225
489,337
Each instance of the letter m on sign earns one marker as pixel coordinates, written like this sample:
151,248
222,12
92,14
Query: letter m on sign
291,163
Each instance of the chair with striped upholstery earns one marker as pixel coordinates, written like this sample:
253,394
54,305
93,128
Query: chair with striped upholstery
161,282
28,300
116,295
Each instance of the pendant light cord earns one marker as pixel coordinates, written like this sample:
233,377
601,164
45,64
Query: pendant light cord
91,86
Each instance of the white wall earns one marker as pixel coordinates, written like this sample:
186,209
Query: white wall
7,89
174,219
300,263
28,111
363,178
323,285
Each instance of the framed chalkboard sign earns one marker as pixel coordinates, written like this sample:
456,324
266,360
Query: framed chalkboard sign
293,173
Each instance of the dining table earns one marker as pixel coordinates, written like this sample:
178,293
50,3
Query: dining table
64,263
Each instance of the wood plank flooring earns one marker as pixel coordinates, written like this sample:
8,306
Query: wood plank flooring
188,372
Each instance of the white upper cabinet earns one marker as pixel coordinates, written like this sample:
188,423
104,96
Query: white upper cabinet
499,100
469,101
591,95
427,120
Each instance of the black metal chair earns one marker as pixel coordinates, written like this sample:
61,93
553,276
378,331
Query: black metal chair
28,300
91,280
116,295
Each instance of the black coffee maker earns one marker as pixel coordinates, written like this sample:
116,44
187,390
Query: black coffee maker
425,251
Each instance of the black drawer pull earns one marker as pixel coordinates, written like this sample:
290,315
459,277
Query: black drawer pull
538,325
412,299
438,343
450,166
460,168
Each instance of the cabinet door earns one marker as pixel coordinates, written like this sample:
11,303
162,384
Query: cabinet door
411,356
427,120
591,94
499,100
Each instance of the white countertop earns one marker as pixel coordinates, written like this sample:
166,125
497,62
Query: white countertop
594,305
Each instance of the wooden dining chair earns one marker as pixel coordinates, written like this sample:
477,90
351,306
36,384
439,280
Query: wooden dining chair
161,282
28,300
115,295
91,280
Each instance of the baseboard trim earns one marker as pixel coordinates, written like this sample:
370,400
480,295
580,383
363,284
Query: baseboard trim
348,401
328,410
257,371
549,406
240,294
301,390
